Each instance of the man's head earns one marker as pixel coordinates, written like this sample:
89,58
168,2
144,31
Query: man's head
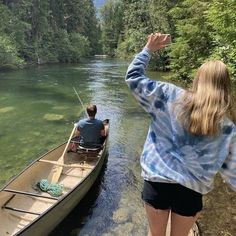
91,110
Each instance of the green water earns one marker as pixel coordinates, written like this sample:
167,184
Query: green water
38,107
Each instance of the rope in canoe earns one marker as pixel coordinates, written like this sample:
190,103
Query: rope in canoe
54,190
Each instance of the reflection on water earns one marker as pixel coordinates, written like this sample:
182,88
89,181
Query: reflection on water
37,109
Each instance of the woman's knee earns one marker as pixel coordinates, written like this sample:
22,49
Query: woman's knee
181,225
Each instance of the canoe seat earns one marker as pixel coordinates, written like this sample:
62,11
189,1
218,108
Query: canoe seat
89,149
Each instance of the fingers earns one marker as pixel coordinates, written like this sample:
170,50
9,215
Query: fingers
165,38
158,34
157,41
157,37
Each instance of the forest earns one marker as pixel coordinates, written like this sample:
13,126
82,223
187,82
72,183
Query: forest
44,31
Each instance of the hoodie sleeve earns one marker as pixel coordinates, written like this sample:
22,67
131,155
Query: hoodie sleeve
228,169
150,94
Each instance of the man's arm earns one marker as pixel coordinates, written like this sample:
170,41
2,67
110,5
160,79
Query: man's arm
104,131
77,132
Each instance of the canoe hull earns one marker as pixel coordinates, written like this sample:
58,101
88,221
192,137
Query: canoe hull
52,218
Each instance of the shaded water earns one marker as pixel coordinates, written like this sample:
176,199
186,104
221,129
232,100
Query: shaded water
37,109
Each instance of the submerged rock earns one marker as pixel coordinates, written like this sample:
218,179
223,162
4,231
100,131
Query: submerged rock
6,109
52,117
60,108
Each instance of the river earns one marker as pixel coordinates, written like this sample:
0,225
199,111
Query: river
38,107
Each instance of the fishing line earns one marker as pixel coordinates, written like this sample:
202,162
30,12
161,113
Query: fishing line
80,100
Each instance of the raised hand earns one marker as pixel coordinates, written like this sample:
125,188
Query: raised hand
158,41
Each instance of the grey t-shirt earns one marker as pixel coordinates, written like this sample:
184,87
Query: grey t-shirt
90,131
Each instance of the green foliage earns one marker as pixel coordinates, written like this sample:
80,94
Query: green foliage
137,25
222,17
193,43
80,46
200,30
140,18
8,56
41,31
111,26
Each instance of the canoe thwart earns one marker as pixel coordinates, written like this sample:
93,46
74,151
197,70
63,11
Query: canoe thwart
17,209
67,165
29,194
21,210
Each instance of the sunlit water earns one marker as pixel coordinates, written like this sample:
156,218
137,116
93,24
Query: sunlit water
38,107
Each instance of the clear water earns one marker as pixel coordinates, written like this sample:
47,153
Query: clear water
38,107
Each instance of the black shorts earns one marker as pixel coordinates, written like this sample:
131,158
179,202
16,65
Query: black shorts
177,198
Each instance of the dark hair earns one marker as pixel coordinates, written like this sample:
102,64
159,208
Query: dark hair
91,110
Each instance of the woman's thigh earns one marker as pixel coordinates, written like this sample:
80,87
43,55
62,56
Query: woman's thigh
181,225
157,220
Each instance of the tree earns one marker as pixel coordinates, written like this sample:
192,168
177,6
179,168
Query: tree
193,42
9,25
41,31
137,24
8,54
111,26
222,17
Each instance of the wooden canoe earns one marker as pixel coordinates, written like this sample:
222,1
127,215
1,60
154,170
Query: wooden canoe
27,211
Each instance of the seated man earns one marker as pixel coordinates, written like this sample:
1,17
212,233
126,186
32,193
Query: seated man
91,131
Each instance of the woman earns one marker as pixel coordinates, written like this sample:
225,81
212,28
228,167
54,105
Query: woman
192,136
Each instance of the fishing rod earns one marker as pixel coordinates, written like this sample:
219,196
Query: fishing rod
80,101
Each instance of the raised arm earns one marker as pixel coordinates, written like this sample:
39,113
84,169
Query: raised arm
150,94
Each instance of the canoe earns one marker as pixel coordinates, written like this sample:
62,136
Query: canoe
26,210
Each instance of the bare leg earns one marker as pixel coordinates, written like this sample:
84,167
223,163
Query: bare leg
74,147
157,220
181,225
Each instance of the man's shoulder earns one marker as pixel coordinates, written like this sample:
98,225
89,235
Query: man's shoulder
82,121
98,121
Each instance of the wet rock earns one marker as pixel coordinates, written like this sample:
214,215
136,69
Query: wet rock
124,229
108,234
139,219
121,215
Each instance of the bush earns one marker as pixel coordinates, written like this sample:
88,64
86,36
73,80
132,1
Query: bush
8,54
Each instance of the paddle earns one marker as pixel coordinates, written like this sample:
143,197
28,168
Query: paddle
58,169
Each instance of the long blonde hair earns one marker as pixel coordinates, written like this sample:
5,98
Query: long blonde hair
209,101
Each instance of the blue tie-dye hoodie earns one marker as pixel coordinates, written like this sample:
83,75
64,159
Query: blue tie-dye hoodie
170,153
